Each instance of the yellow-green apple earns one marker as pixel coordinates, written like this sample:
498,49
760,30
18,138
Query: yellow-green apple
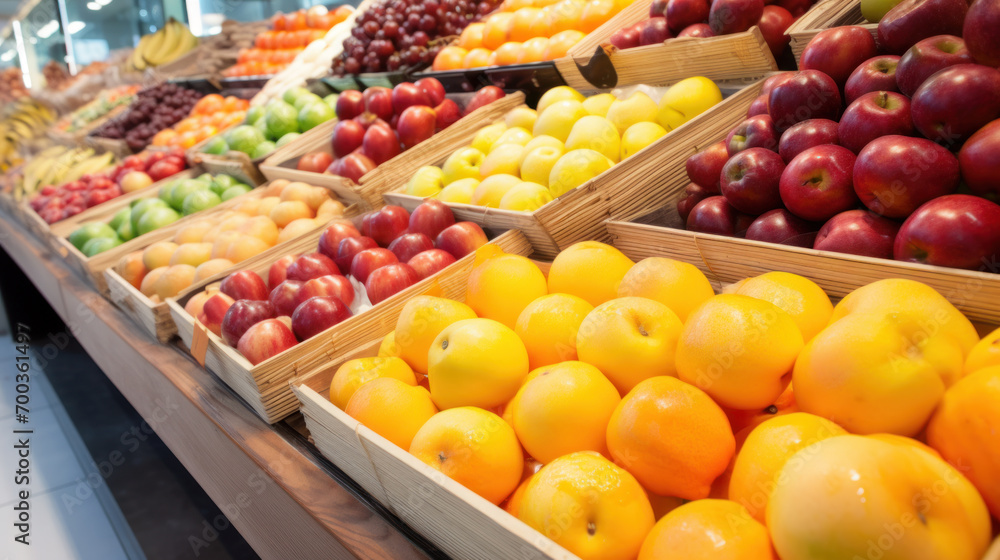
214,311
278,271
558,119
807,134
347,137
317,314
284,297
875,74
637,137
853,496
430,261
750,180
954,103
693,194
686,100
893,175
416,124
463,164
350,247
818,183
734,16
809,94
408,245
875,10
912,20
781,226
387,224
242,315
957,230
389,280
713,215
426,181
654,31
430,218
773,23
858,232
979,32
491,189
682,13
244,284
595,133
705,167
575,168
873,115
979,159
265,339
331,237
461,239
309,266
838,51
928,56
697,30
332,285
637,107
754,132
365,262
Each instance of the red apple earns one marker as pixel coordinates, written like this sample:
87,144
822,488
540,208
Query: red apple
333,235
353,166
309,266
482,98
430,218
783,227
368,120
350,247
818,184
772,81
954,103
838,51
314,162
369,260
809,94
163,169
347,136
284,297
416,124
278,271
682,13
912,20
408,245
773,24
327,286
432,88
350,104
874,115
895,174
658,8
378,101
980,32
627,37
380,143
713,215
317,314
795,7
446,114
858,232
430,261
733,16
705,167
928,56
406,95
265,339
957,230
758,106
389,280
805,135
654,32
214,311
702,30
242,315
750,181
980,162
461,239
875,74
693,194
244,284
388,223
754,132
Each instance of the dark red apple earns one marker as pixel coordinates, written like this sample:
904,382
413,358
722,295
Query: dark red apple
430,261
980,32
957,230
795,7
805,135
819,183
380,144
244,284
378,101
809,94
912,20
389,280
773,23
683,13
326,286
980,161
446,114
954,103
733,16
408,245
773,80
350,104
895,174
416,124
367,261
875,74
483,97
658,8
317,314
758,107
461,239
332,236
347,137
702,30
705,167
214,312
783,227
713,215
406,95
627,37
750,180
693,194
754,132
654,32
284,297
309,266
839,51
265,339
353,166
241,316
388,223
927,57
350,247
279,270
858,232
874,115
430,218
432,88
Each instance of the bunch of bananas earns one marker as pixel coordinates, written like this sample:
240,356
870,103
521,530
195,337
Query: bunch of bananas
58,165
166,45
22,122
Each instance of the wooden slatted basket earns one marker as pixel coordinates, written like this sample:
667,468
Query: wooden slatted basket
628,187
281,164
656,231
265,386
840,12
232,162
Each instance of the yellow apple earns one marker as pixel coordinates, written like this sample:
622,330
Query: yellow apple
513,135
522,117
637,107
599,104
487,136
538,163
575,168
502,159
640,135
686,100
492,189
595,133
463,164
558,119
538,142
557,94
459,191
526,197
426,181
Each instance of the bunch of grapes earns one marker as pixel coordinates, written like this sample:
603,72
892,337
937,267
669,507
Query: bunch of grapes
404,34
154,109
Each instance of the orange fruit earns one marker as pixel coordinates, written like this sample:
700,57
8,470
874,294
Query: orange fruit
392,409
188,139
472,36
164,137
352,374
533,50
500,287
590,270
986,353
663,505
210,268
548,327
565,15
546,410
594,14
739,350
496,29
477,58
148,284
449,58
800,297
506,54
589,506
630,339
388,348
909,442
539,26
966,420
672,437
676,284
749,419
765,452
708,530
560,43
474,448
514,5
522,23
420,321
513,505
174,279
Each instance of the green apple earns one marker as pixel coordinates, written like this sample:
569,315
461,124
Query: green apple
263,149
200,200
637,107
294,93
91,230
463,164
119,217
234,191
155,218
99,245
290,137
281,118
216,146
640,135
255,114
595,133
183,189
125,231
244,138
314,115
307,99
427,181
142,207
222,182
875,10
331,100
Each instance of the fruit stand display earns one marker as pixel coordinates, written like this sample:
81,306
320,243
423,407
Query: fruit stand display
72,127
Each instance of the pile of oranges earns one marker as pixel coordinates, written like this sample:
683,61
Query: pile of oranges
210,114
524,31
291,34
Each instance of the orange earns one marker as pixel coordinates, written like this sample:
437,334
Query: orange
630,339
388,348
594,14
513,505
165,137
500,287
565,15
449,58
589,506
192,253
547,410
514,5
663,505
749,419
590,270
986,353
533,50
676,284
903,440
800,297
708,530
765,452
474,448
476,362
352,374
548,327
672,437
188,139
496,29
739,350
506,54
392,409
560,43
522,23
472,36
132,269
420,321
539,26
477,58
965,429
243,247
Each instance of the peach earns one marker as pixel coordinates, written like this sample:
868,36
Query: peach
275,187
148,285
245,247
210,268
233,223
174,279
330,209
305,193
296,228
158,254
211,234
192,253
193,232
267,204
132,269
287,212
262,228
249,206
195,305
220,247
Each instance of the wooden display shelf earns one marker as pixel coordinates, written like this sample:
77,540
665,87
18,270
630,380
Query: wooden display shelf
305,509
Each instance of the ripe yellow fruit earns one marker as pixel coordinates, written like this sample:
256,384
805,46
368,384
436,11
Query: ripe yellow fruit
548,327
557,120
193,254
575,168
392,409
459,191
158,254
475,362
676,284
638,107
537,164
484,139
542,141
590,270
599,104
708,530
595,133
521,117
739,350
388,348
193,232
491,190
513,135
210,268
686,100
638,136
174,279
800,297
986,353
473,447
503,159
352,374
500,287
556,94
547,410
420,321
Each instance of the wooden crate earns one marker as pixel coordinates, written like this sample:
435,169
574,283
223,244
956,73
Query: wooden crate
233,163
396,171
117,147
630,186
265,386
839,13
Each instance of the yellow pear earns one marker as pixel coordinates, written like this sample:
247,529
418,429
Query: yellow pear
637,107
686,100
640,135
557,94
492,189
558,119
526,197
599,104
575,168
595,133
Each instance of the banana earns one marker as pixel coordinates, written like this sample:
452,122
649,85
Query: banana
90,164
157,51
138,62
